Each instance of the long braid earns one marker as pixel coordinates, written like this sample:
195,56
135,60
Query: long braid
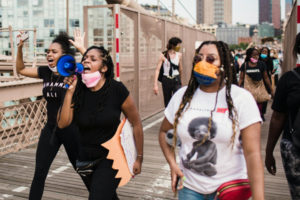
186,99
228,81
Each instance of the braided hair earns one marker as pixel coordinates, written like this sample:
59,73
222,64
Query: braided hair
226,74
109,75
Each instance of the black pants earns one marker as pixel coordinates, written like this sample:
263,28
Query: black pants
102,183
170,86
48,146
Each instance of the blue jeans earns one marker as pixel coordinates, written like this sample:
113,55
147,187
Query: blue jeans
187,194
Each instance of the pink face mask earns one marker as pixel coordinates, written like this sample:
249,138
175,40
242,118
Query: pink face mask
253,60
91,80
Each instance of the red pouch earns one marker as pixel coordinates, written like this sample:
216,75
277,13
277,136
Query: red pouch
234,190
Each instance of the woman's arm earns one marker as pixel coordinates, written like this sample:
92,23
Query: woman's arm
160,61
21,69
169,153
78,42
65,115
242,78
252,153
267,81
130,111
275,130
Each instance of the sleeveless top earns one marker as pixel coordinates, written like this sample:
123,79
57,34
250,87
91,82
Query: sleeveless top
166,65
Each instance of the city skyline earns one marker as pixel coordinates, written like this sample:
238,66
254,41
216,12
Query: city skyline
242,10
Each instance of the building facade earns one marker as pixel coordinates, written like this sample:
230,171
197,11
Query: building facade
48,17
230,34
276,13
269,11
266,30
214,11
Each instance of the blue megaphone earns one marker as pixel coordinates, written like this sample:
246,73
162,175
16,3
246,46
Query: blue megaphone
66,66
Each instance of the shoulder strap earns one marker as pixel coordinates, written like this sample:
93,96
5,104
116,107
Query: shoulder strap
166,55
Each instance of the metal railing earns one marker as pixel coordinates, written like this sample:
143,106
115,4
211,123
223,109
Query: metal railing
21,125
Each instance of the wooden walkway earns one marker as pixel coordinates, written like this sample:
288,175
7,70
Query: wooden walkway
16,172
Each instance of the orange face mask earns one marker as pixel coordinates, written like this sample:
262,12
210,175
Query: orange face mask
205,73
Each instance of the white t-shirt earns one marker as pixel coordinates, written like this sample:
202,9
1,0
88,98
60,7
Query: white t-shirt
206,166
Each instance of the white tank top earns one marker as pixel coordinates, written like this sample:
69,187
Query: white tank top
166,65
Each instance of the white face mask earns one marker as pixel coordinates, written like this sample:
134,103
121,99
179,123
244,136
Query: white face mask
53,69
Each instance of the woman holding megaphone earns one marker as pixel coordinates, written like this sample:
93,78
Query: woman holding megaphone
94,102
51,137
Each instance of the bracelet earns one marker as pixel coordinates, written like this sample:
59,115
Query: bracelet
140,155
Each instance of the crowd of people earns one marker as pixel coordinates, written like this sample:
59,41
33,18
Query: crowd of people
217,117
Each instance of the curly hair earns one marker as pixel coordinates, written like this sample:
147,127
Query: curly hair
63,40
109,75
227,75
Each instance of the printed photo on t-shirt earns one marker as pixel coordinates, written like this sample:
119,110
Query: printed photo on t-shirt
203,156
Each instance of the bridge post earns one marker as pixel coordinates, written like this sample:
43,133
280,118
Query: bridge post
298,16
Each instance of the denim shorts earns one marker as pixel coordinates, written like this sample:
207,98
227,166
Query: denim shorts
186,193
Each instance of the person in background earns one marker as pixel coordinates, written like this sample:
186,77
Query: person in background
94,102
285,107
265,57
51,137
218,124
276,63
171,63
256,70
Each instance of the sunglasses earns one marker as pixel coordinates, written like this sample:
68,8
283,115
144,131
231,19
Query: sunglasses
210,59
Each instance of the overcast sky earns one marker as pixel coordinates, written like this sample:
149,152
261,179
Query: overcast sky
243,11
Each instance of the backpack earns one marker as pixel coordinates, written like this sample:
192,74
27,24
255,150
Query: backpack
295,126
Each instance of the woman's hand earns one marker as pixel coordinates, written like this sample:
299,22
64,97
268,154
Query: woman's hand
137,166
155,89
78,42
176,172
272,94
71,81
270,164
21,42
